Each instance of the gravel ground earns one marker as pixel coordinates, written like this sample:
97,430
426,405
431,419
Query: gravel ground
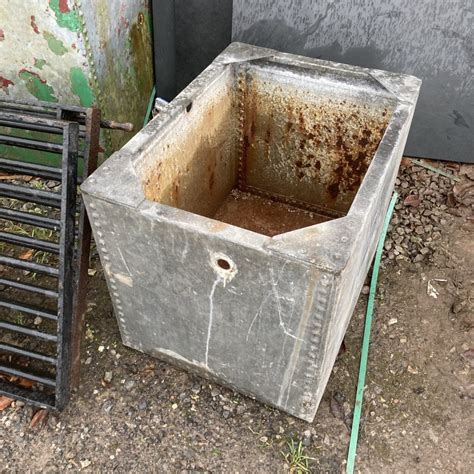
137,414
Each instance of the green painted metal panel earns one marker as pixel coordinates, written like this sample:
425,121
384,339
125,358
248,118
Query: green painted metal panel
78,52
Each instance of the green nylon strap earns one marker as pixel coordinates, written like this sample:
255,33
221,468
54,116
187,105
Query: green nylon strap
435,170
150,106
351,456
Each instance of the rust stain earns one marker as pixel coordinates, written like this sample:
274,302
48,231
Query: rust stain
175,192
218,226
328,144
5,83
2,35
351,152
309,155
34,25
63,6
333,190
245,155
211,180
253,129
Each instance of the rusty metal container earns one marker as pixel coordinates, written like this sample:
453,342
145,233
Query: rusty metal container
237,228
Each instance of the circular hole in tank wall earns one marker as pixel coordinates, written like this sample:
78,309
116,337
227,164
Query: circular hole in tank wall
223,263
224,266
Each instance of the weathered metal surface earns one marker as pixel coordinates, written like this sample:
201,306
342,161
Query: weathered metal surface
263,312
42,54
91,152
305,142
70,51
119,45
431,39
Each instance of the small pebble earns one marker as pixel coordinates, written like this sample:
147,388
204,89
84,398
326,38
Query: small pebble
108,377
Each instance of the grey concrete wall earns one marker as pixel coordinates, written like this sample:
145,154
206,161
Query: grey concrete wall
431,39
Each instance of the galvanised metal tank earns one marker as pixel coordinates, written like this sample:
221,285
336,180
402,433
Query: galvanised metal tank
237,228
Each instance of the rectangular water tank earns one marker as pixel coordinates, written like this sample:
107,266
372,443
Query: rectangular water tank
237,228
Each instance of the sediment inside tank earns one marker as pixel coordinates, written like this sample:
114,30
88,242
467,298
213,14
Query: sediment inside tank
267,150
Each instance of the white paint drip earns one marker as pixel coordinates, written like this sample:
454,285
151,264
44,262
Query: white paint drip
124,262
125,279
186,249
211,315
224,274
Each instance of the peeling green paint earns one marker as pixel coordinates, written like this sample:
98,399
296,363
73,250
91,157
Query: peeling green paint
37,86
55,45
40,63
81,87
65,19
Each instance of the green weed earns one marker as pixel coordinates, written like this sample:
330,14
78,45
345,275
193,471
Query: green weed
296,458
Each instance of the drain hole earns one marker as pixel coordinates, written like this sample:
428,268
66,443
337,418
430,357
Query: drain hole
224,264
189,107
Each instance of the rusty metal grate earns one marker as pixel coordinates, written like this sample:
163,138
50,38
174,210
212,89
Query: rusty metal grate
41,299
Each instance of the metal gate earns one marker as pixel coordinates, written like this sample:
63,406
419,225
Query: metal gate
44,248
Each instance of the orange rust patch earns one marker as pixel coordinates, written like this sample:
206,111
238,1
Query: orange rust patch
218,226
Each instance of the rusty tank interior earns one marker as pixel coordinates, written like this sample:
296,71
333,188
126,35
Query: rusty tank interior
256,151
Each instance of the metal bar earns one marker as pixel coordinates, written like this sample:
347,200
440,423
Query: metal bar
30,169
27,126
23,193
84,231
33,120
34,127
27,265
23,241
38,112
28,332
24,352
44,108
29,218
9,111
17,372
31,144
41,399
66,255
112,125
29,309
26,287
37,105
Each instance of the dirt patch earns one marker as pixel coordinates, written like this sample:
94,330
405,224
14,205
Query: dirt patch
134,413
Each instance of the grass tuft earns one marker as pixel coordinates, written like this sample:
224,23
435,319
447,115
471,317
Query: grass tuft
296,458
